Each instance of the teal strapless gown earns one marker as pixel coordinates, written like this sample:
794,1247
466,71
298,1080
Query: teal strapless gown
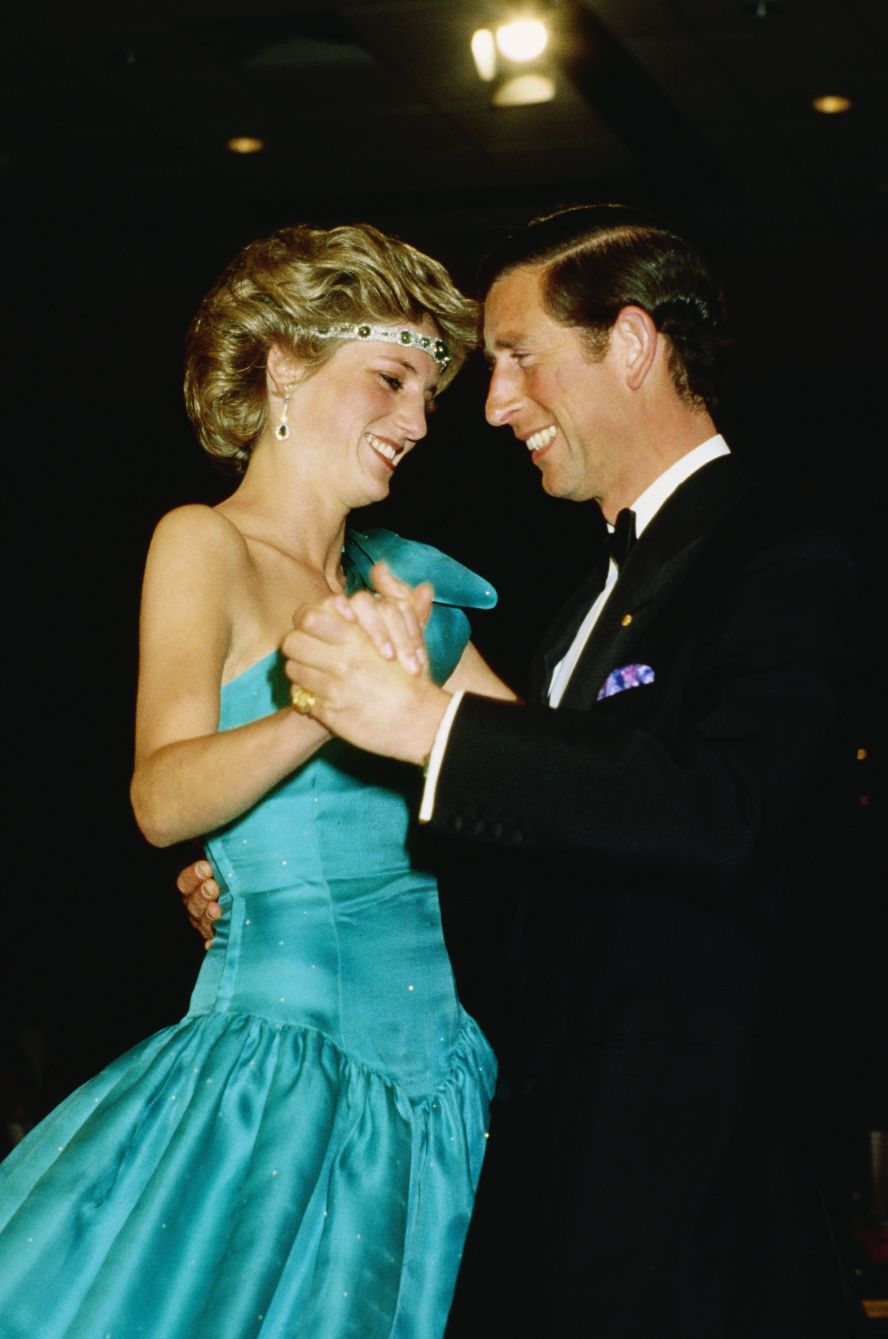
298,1156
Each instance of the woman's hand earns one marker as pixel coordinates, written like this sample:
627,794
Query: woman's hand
393,617
366,698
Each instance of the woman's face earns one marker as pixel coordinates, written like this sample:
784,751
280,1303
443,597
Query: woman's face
365,408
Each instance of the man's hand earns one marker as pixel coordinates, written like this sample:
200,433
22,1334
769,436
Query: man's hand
375,703
200,894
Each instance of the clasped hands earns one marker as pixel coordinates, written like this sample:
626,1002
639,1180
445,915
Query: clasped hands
363,658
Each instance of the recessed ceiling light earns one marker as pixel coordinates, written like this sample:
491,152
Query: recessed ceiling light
524,90
484,54
525,39
246,144
831,103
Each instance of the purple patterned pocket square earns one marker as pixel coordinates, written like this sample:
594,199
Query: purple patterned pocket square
627,676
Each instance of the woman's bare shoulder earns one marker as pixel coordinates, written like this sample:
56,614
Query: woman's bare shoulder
201,532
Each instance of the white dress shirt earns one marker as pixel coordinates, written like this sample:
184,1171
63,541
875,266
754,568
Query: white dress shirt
645,507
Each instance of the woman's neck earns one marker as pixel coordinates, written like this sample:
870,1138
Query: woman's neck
296,515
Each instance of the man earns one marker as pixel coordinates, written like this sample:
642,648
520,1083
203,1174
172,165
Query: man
646,1176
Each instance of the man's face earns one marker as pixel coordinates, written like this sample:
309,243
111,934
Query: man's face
563,403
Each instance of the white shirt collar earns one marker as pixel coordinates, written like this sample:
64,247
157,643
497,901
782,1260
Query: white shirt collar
651,500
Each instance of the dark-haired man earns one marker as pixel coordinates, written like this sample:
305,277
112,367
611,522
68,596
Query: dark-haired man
646,1177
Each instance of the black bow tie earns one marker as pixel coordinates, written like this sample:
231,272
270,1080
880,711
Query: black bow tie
622,537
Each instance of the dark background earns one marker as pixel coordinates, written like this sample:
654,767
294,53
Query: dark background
124,204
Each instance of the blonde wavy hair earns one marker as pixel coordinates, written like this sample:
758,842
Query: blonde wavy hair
281,286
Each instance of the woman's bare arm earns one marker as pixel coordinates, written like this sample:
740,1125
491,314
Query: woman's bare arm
188,779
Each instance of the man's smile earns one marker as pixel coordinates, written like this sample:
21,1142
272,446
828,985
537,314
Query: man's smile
539,440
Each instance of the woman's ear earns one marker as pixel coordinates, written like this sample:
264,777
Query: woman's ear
281,370
638,338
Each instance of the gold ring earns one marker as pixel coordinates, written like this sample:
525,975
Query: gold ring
303,700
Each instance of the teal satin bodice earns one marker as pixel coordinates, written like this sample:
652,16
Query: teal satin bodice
326,924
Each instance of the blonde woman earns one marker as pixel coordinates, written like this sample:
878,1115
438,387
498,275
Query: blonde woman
298,1155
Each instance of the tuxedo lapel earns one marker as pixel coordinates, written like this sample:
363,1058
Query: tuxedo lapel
563,628
662,556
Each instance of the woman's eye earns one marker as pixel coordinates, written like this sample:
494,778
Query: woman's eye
395,383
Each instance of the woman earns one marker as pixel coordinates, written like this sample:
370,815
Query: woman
299,1154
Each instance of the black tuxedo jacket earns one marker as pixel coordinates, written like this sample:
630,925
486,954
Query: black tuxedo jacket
646,1174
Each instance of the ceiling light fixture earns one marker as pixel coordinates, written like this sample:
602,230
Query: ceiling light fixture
510,56
830,104
484,54
524,90
523,39
246,144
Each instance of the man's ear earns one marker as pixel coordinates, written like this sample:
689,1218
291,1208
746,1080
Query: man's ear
281,370
637,339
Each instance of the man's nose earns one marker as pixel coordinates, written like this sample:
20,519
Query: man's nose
502,397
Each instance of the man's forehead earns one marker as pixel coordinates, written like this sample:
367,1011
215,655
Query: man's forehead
513,303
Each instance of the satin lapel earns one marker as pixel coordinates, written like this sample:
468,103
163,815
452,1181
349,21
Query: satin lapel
658,562
562,629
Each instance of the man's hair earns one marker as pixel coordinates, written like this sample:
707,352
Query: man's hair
598,259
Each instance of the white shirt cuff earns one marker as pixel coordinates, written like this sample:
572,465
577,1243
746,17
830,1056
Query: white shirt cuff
436,758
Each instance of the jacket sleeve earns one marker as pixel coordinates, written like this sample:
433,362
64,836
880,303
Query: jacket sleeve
699,776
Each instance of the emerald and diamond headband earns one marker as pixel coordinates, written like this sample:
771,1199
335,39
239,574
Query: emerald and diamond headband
433,345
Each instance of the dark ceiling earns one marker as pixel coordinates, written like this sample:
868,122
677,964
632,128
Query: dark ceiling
123,114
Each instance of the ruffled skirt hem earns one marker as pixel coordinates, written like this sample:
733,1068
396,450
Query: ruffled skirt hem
235,1177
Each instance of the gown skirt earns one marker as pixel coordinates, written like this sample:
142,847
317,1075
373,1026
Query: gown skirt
298,1156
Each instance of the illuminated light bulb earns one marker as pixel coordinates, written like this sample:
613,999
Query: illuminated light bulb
484,54
525,39
831,103
523,90
246,144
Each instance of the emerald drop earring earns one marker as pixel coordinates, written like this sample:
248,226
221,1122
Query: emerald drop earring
282,431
